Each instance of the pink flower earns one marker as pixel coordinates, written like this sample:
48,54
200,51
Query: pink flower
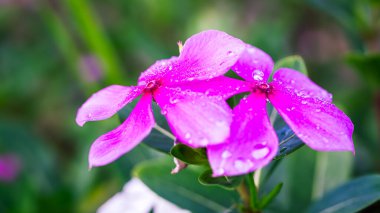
9,167
189,90
305,107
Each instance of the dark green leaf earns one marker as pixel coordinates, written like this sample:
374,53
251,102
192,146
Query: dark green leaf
289,142
367,66
183,188
270,196
225,182
294,62
155,139
350,197
189,155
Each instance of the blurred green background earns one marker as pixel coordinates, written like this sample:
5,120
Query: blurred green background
55,53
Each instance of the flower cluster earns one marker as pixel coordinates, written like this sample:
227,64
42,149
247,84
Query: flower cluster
191,91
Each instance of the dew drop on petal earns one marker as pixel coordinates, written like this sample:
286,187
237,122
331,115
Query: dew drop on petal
290,109
243,165
318,110
173,100
219,171
226,154
187,135
260,152
258,75
204,141
303,102
230,53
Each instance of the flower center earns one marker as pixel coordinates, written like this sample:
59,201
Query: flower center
152,86
263,88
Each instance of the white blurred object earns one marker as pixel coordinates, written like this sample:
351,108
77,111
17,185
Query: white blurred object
138,198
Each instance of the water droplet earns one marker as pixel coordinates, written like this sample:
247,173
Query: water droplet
318,127
292,81
89,115
173,100
190,79
204,141
258,75
303,102
164,111
260,152
243,165
290,109
187,135
207,92
219,171
251,50
226,154
317,110
170,67
230,53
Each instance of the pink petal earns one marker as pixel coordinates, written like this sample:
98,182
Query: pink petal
206,55
318,123
10,166
106,102
158,70
300,84
121,140
254,64
252,144
195,119
220,86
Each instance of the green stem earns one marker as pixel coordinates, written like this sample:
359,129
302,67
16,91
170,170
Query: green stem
164,132
253,202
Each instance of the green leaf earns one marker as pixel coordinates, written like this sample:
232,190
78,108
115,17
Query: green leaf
295,62
225,182
367,66
270,196
156,139
350,197
183,189
189,155
289,142
331,170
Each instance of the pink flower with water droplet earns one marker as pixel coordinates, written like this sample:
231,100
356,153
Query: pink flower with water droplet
305,107
179,86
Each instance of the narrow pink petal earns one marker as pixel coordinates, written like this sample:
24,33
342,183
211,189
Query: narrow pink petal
300,84
206,55
220,86
106,102
158,70
252,144
121,140
254,64
195,119
320,124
